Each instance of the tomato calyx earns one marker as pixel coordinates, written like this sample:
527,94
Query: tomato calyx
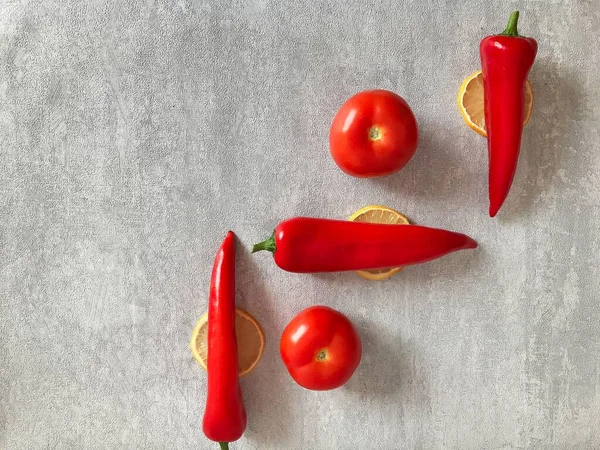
375,133
322,355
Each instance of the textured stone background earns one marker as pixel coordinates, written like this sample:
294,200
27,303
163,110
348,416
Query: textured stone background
133,134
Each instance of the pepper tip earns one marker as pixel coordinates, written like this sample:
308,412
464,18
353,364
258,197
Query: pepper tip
494,210
472,243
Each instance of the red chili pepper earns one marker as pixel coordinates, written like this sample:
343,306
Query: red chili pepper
225,414
304,244
505,61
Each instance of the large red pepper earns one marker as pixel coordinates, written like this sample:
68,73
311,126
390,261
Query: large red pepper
304,244
505,61
225,414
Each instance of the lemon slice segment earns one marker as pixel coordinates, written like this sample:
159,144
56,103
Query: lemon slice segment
470,102
250,341
385,215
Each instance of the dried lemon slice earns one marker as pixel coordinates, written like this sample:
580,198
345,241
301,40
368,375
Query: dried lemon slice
379,214
470,102
250,341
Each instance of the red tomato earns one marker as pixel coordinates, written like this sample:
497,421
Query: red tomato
320,348
373,134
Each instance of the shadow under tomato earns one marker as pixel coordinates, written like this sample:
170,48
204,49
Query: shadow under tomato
443,171
387,369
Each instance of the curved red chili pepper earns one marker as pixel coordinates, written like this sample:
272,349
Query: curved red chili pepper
505,61
304,244
225,414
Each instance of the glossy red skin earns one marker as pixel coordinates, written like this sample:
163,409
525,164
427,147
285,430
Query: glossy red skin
225,414
304,244
358,155
505,62
313,330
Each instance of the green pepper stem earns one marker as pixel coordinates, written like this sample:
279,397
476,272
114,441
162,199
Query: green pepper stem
511,28
224,445
267,244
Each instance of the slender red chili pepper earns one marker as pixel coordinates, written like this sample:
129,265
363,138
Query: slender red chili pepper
304,244
225,414
505,61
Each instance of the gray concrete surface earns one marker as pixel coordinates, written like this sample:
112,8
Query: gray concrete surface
134,134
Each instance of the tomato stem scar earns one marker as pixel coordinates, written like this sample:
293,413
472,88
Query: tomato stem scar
375,133
321,355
